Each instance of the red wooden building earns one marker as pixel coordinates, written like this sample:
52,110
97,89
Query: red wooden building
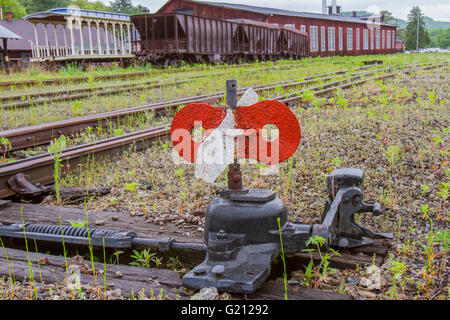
330,33
400,44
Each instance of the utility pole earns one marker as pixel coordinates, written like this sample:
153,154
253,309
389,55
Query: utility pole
417,36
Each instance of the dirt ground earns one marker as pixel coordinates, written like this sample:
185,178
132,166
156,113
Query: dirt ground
396,131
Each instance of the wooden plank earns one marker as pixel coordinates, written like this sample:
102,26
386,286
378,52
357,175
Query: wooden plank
77,195
52,270
11,213
4,203
274,290
133,279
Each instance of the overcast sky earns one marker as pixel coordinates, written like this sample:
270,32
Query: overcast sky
436,9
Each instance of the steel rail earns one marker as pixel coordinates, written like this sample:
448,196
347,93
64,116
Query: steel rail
44,133
40,168
54,81
67,94
72,94
322,90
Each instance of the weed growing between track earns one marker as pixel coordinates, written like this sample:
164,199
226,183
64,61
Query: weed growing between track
397,131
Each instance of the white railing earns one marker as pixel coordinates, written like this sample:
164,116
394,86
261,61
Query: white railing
51,52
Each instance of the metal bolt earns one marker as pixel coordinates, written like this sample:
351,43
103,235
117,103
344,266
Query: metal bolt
343,242
222,235
199,270
356,200
218,270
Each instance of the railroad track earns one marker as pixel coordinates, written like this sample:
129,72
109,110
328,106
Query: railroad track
174,246
44,133
57,81
26,100
47,227
66,95
40,168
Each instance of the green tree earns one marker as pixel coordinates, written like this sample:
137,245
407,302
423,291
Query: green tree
17,10
415,16
440,38
122,6
95,5
388,17
125,6
141,9
43,5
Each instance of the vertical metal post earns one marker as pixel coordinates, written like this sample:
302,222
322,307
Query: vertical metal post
46,41
80,24
129,38
175,18
107,38
5,55
114,38
231,94
417,35
234,174
38,54
91,48
65,40
72,36
122,40
56,41
99,43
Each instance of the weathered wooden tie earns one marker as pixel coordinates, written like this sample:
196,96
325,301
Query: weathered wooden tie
12,213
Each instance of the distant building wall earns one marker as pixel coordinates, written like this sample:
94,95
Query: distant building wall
320,29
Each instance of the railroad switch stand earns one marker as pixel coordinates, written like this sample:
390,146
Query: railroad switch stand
242,233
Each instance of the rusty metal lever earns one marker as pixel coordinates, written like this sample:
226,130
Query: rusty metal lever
20,184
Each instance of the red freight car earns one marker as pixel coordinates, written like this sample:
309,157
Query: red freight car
330,32
173,37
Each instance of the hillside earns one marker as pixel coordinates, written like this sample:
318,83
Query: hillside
430,22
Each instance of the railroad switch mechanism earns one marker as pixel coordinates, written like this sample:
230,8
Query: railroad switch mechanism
73,237
20,184
242,233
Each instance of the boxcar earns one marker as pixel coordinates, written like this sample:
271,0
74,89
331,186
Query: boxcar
173,37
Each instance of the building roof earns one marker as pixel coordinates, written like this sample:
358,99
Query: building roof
5,33
284,12
25,30
58,13
22,28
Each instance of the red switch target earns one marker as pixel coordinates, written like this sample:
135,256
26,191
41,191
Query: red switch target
252,119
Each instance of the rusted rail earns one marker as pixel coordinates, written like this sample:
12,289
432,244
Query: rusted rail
57,81
322,90
63,95
40,168
73,94
140,234
44,133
